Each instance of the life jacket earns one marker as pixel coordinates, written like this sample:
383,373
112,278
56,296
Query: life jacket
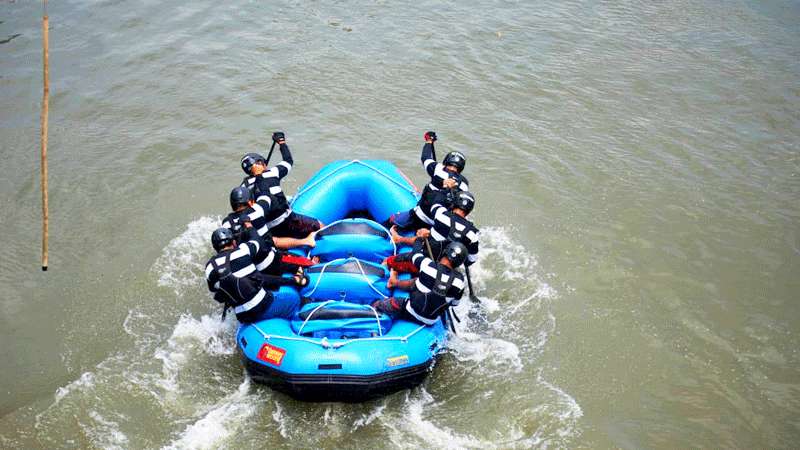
224,272
232,286
237,225
259,186
453,234
440,286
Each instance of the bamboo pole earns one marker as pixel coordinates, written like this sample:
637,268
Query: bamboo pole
45,110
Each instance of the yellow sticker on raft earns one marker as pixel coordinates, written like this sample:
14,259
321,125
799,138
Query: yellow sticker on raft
397,360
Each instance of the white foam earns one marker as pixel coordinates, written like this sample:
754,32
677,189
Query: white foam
208,335
472,347
367,419
105,433
501,256
571,410
282,422
86,380
505,262
414,423
181,262
326,417
565,412
220,422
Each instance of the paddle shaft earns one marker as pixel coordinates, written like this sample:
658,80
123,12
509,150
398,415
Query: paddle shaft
269,155
472,295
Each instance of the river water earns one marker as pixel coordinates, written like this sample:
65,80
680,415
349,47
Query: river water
638,181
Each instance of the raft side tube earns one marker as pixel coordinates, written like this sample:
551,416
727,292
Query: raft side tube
357,370
360,238
344,187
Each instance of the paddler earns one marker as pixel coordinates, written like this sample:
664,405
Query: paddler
281,220
445,177
448,226
269,259
438,286
233,278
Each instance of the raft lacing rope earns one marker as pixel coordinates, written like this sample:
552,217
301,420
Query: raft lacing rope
319,278
366,280
377,319
364,276
300,331
360,268
324,341
374,311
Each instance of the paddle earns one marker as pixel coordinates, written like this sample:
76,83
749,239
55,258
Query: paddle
269,155
432,136
474,298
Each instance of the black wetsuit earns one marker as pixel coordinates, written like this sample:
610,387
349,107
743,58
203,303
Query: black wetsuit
447,227
269,259
436,288
281,220
434,192
233,278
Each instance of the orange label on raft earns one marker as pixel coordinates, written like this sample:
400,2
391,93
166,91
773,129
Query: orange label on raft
270,354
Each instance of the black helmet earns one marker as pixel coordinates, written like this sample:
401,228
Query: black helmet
240,195
464,201
456,252
221,238
456,159
249,159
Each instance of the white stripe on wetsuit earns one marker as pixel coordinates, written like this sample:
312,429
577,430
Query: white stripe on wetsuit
427,277
424,320
259,213
267,261
279,220
439,175
241,252
442,220
252,303
422,216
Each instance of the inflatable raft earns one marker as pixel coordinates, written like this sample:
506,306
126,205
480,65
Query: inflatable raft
337,347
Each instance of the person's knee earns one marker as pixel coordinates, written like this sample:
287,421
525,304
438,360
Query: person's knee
391,306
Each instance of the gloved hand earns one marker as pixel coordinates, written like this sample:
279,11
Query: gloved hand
450,196
279,137
430,136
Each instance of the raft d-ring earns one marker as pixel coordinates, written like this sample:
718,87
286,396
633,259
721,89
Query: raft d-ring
343,295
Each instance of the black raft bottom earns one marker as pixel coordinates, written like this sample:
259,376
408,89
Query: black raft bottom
338,388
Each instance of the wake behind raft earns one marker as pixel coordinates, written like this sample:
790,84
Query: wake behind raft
337,347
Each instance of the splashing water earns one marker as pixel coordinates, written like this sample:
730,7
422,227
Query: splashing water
220,422
183,368
191,336
181,262
105,433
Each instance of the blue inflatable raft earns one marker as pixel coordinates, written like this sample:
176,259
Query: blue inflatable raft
337,347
